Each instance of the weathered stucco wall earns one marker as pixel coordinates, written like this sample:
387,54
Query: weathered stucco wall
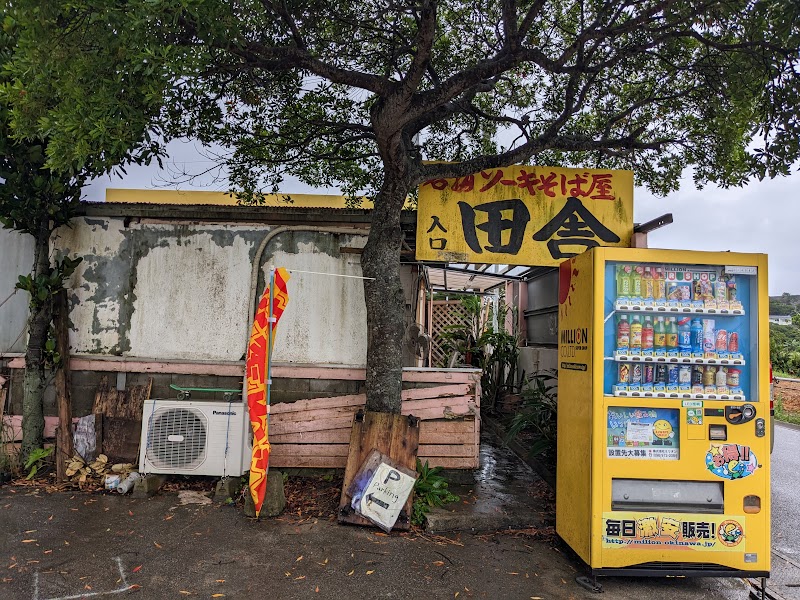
16,258
326,318
180,291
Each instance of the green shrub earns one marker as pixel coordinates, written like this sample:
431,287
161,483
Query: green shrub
430,491
36,461
538,412
781,414
784,349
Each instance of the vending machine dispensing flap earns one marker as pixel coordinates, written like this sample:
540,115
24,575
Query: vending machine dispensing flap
667,496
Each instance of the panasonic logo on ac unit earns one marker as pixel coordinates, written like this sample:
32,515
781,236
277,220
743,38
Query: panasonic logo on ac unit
231,413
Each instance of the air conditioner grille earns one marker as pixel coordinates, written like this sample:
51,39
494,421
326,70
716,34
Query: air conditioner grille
177,438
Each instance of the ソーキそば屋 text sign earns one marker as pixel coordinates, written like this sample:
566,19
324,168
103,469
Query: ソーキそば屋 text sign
524,215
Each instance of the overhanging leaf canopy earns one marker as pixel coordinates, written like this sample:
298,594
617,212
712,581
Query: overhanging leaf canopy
336,93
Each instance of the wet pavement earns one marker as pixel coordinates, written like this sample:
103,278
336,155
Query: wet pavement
504,493
785,502
66,546
58,546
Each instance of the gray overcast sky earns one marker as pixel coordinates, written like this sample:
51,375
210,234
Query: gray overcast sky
757,218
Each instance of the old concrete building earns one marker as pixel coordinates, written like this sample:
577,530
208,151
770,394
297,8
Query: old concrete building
168,292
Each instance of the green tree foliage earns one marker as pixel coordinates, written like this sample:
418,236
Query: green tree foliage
785,304
378,97
780,308
784,348
36,201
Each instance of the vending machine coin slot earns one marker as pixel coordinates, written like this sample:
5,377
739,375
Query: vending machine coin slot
736,415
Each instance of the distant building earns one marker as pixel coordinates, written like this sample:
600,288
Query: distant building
781,319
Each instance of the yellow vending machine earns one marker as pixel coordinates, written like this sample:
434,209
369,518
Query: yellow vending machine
664,412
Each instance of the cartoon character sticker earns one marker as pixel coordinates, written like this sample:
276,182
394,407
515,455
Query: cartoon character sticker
731,461
730,532
662,429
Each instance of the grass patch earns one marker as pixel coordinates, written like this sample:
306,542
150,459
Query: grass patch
783,415
784,374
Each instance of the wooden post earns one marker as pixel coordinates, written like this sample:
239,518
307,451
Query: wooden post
396,436
2,412
64,447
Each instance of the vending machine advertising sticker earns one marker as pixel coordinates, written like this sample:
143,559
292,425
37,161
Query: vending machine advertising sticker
649,433
678,531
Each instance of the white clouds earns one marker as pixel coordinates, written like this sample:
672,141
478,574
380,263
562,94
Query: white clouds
761,217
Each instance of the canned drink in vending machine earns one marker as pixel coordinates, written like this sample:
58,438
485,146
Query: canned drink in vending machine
709,380
734,379
733,343
697,379
660,383
624,373
722,343
648,377
636,374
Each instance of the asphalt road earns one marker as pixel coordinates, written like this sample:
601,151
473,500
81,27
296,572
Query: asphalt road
68,546
785,578
785,497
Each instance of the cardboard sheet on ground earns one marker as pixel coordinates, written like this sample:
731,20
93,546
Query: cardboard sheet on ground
380,489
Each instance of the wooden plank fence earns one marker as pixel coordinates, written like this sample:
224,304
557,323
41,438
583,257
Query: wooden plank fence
316,432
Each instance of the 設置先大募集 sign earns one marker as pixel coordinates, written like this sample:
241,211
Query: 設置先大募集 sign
523,215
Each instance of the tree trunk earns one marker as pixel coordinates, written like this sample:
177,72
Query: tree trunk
64,446
38,325
384,298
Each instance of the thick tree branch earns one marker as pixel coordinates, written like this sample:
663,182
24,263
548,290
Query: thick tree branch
423,43
523,153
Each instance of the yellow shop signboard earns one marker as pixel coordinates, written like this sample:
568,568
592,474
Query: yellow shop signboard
524,215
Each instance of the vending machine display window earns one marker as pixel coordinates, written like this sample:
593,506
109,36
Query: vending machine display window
679,331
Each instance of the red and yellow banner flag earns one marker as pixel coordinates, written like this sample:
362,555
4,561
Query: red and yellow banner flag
258,356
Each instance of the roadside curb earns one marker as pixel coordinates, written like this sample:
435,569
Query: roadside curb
794,426
439,520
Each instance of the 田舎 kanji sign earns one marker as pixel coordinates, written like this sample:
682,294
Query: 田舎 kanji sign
523,215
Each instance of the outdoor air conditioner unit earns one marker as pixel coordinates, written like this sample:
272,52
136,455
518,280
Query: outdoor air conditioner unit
195,438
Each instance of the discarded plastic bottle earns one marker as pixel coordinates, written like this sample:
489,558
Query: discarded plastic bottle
125,486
